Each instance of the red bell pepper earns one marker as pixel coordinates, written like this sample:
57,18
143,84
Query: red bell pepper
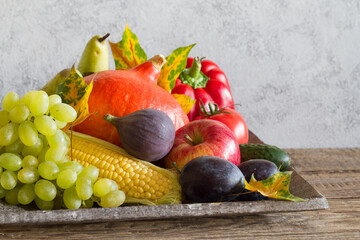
203,80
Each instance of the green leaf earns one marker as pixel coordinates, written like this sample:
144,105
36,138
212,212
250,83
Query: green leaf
75,92
127,53
175,64
276,186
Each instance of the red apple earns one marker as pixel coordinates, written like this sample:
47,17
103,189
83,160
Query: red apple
203,137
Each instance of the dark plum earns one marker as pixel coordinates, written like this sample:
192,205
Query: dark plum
264,151
262,169
211,179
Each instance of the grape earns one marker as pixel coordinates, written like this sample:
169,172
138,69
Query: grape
10,100
19,113
91,172
66,178
56,153
63,112
30,161
75,166
60,124
41,156
58,138
48,170
26,194
8,180
71,199
2,192
103,186
64,160
84,188
8,134
15,147
28,133
28,98
4,118
113,199
44,205
45,190
45,125
88,203
53,99
34,149
39,103
2,149
10,161
11,196
28,175
58,202
67,139
114,185
43,139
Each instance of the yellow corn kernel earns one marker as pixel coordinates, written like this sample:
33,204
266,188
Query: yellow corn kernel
141,181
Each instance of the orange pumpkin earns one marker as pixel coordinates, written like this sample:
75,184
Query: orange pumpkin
121,92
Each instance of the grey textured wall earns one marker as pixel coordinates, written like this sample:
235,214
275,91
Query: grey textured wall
294,66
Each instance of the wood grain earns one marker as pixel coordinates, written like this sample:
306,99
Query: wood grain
342,219
325,160
334,172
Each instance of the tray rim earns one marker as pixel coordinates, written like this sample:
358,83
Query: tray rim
14,215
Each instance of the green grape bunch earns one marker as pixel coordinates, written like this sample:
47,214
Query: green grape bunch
34,162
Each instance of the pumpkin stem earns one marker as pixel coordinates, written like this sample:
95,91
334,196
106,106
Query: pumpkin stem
157,61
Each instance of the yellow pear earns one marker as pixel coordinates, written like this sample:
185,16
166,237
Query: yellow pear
95,57
51,86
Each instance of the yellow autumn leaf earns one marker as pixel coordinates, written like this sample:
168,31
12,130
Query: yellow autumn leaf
175,64
185,102
75,92
82,108
276,186
127,53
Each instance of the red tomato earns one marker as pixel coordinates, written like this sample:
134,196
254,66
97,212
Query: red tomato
230,118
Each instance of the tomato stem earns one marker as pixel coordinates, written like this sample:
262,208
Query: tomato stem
214,109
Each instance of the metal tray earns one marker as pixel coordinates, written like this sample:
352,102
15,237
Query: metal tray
10,214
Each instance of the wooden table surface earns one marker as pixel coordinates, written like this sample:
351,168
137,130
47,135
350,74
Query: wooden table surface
333,172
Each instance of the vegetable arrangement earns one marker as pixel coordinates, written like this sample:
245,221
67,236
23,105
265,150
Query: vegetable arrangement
153,131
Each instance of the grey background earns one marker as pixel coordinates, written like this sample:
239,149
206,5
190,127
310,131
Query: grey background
294,66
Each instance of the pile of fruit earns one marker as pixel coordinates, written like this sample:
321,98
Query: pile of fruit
153,131
34,163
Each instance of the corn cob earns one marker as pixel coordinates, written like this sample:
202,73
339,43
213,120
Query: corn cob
141,181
